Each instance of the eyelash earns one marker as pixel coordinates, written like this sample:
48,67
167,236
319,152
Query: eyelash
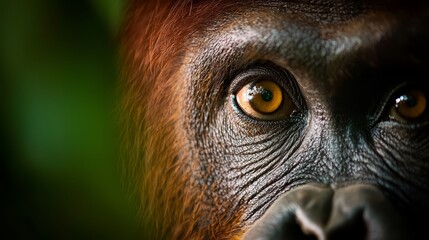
399,96
251,74
266,72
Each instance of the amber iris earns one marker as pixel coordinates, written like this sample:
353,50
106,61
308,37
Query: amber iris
264,100
263,97
411,104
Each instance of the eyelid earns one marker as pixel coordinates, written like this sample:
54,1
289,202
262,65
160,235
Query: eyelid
383,111
419,94
380,111
247,76
272,72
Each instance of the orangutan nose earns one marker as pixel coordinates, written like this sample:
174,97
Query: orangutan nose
355,212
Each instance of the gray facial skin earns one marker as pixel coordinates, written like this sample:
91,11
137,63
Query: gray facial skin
343,64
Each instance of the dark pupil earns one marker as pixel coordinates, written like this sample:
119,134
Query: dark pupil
407,99
267,95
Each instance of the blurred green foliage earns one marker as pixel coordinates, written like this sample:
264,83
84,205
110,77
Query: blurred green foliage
60,173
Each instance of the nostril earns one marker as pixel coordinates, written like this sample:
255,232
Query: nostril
355,212
353,228
287,217
280,223
362,212
293,230
342,224
288,228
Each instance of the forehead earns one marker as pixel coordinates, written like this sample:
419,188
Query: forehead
322,10
323,43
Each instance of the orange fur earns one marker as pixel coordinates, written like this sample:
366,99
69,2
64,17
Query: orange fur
156,162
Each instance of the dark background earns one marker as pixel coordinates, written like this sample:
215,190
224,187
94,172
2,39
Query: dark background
60,173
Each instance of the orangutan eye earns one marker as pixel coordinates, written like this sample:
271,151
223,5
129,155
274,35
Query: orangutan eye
409,105
265,100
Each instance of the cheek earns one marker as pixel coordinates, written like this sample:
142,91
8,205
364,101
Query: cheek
404,160
246,161
403,145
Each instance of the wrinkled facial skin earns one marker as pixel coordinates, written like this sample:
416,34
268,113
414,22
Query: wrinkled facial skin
347,61
343,64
